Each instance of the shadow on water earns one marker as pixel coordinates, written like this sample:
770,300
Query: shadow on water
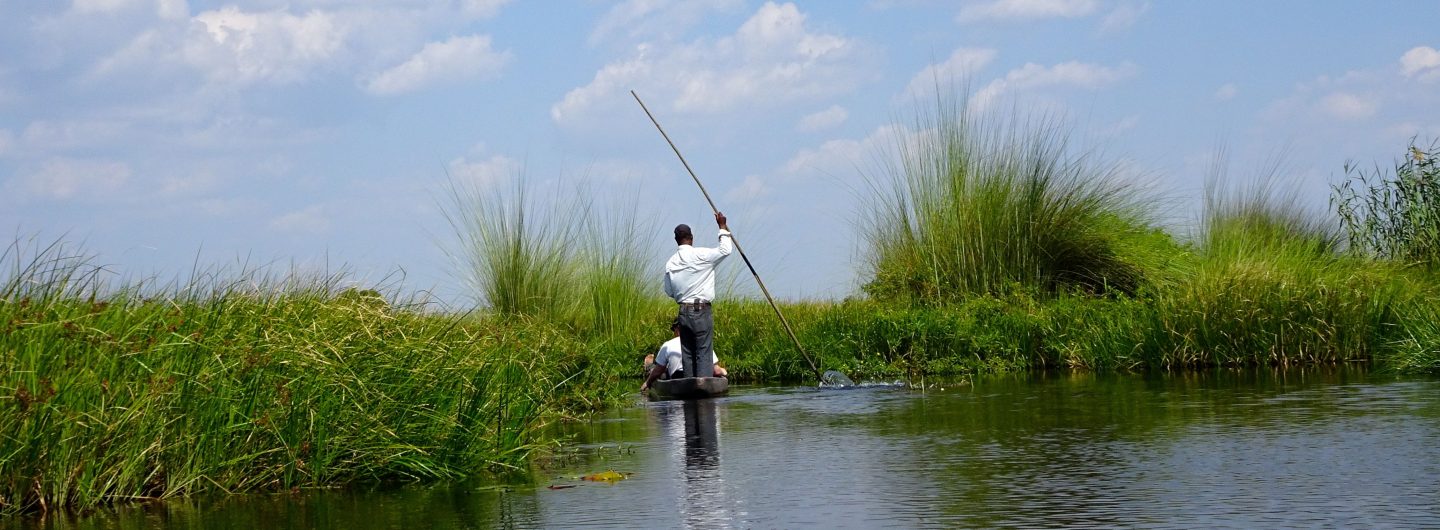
1223,448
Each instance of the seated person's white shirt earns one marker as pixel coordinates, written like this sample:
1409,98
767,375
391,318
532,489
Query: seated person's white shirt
670,353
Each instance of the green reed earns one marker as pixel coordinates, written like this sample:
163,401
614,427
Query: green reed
1394,217
1269,286
976,207
573,262
133,390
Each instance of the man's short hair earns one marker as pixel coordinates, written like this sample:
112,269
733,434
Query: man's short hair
675,323
682,231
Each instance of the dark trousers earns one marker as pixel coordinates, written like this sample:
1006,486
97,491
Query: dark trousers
697,327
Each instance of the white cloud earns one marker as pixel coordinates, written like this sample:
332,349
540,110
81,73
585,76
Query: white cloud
825,119
47,135
103,6
7,142
271,46
312,220
188,184
172,9
1026,9
233,47
482,174
1124,17
1422,60
963,64
1347,106
457,59
66,178
482,8
1227,92
658,19
772,58
1072,74
166,9
845,156
750,189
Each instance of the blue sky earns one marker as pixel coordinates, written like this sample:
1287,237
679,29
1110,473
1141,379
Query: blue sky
314,132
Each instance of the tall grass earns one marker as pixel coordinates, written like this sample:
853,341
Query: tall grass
517,260
243,381
1270,286
970,206
564,260
1394,217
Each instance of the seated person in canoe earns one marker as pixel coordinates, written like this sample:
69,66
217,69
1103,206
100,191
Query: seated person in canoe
666,364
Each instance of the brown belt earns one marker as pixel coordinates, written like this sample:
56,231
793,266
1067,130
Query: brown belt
695,305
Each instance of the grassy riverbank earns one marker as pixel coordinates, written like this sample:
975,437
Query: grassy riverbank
124,392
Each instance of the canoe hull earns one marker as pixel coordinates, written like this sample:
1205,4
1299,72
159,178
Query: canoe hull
690,388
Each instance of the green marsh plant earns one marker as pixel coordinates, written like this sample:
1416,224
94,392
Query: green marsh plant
969,206
242,381
1270,286
1394,217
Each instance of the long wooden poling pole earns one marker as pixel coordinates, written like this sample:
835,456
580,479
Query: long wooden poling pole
736,242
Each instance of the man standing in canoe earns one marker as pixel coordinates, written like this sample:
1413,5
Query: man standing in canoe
690,280
667,364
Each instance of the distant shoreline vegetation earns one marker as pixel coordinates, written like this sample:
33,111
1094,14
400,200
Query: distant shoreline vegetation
990,250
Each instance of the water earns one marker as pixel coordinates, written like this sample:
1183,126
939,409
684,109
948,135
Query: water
1224,449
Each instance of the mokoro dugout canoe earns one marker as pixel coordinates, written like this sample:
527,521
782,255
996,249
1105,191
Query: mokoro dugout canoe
689,388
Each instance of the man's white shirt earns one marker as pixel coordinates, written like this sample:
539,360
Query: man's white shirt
670,353
690,273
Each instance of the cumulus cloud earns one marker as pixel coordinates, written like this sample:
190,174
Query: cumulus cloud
68,178
1026,9
1069,74
103,6
167,9
279,42
235,47
312,220
457,59
1227,92
484,173
1123,17
1421,61
842,156
655,19
1347,106
753,187
962,64
772,58
271,46
1379,100
61,135
825,119
482,8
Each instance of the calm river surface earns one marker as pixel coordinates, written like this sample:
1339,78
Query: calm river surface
1250,449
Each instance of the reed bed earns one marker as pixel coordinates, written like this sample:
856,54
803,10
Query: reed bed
138,391
970,205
